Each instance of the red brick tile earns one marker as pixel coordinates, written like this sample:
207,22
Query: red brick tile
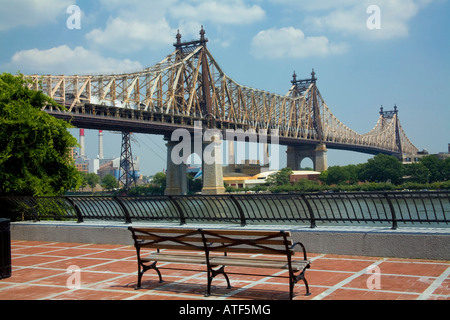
337,264
85,294
86,278
444,288
117,266
80,262
326,278
30,260
349,294
393,283
32,250
113,254
69,252
28,292
413,268
29,274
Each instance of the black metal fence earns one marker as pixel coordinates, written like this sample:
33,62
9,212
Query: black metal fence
313,209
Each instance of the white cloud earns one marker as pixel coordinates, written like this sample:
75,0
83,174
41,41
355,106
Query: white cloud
153,24
292,43
128,35
67,61
134,25
349,17
15,13
219,12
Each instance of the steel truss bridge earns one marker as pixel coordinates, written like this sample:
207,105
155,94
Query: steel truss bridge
189,85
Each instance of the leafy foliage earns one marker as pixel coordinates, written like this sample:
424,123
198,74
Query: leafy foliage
110,182
280,178
34,146
382,168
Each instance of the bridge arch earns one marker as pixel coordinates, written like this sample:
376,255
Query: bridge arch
306,162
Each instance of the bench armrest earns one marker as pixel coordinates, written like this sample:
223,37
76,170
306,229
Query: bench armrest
303,248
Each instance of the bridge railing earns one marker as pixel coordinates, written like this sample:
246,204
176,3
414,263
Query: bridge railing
311,209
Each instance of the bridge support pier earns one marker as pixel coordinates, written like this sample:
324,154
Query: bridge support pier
212,167
318,155
176,174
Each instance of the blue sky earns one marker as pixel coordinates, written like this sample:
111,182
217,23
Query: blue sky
259,44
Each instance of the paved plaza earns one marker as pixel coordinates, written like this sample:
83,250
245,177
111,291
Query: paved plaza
77,271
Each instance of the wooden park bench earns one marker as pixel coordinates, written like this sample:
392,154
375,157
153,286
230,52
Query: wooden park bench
220,248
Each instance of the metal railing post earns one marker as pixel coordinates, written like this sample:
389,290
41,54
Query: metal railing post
311,213
391,207
77,210
124,208
180,212
241,212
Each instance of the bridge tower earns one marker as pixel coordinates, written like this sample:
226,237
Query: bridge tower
126,172
388,116
318,152
212,175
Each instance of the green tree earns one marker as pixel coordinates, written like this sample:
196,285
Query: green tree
109,182
92,180
337,175
446,169
416,172
83,180
353,170
159,179
435,167
382,168
34,146
280,178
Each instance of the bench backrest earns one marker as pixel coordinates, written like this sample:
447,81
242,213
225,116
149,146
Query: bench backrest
240,241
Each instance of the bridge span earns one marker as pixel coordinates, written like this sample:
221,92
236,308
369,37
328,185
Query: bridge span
188,89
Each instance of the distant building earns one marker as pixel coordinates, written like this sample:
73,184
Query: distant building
424,153
240,180
304,174
112,167
99,165
247,167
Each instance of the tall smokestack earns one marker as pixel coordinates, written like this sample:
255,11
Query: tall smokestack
100,144
82,150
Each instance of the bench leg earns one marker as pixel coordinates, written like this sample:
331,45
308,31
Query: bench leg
142,270
294,279
212,274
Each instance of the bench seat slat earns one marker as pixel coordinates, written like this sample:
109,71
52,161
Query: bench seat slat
256,233
252,250
215,240
258,263
297,265
164,230
174,246
179,258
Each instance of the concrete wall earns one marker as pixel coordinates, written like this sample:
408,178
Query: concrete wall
400,245
383,243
